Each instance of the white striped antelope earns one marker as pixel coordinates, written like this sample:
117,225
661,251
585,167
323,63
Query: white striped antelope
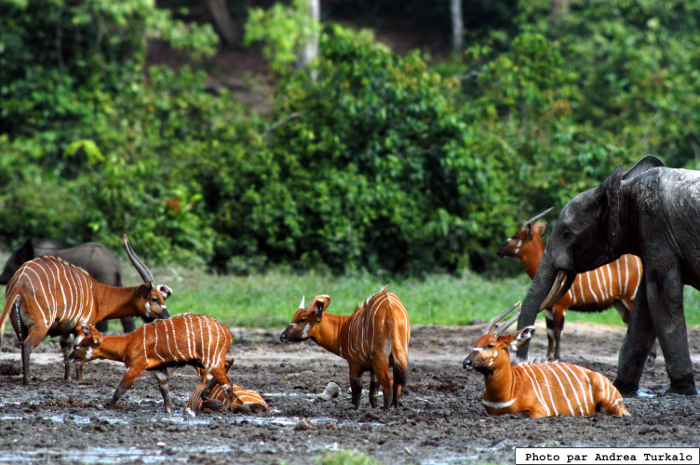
614,284
244,400
374,338
186,339
543,389
50,297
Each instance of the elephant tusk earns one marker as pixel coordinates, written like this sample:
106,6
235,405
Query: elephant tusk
560,287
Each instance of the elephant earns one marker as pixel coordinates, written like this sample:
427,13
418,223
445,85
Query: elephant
650,211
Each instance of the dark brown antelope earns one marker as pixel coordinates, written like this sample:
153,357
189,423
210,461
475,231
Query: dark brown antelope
614,284
244,398
543,389
187,339
48,296
372,339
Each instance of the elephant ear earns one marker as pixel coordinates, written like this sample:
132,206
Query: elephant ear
611,205
645,163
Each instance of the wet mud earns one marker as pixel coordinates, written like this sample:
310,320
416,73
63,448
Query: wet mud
441,420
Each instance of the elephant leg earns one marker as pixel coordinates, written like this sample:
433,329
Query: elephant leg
102,326
128,324
623,308
665,296
638,341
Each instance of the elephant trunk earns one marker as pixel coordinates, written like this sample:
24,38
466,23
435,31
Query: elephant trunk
548,287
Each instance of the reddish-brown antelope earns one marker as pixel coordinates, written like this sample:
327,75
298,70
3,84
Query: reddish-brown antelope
544,389
614,284
187,339
48,296
244,398
374,338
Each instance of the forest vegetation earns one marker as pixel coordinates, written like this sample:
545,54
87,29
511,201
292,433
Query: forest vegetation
367,160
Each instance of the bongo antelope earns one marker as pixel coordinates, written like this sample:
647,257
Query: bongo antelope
48,296
542,389
186,339
248,399
374,338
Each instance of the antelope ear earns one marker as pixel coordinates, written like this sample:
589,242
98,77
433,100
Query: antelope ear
522,336
94,334
164,290
540,228
321,303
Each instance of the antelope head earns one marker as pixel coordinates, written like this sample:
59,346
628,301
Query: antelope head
88,348
516,245
491,349
154,296
305,322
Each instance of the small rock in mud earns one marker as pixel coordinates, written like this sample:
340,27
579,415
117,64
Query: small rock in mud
331,392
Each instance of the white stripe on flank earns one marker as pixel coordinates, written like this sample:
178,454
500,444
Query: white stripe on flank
565,368
187,331
549,390
590,286
584,374
561,387
43,310
145,348
535,386
155,337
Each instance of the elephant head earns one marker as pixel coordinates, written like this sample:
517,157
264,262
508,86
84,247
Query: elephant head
590,232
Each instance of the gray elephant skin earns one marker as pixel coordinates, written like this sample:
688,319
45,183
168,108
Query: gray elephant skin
650,211
93,257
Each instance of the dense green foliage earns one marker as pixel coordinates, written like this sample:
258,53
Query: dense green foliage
367,160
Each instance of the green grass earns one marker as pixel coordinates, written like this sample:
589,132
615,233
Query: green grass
270,300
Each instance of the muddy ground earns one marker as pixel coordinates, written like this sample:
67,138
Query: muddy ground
441,420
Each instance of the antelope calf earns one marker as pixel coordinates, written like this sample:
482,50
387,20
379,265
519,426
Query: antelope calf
614,284
542,389
248,399
374,338
48,296
186,339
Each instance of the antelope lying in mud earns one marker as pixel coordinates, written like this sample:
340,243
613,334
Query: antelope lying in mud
48,296
186,339
544,389
374,338
614,284
245,400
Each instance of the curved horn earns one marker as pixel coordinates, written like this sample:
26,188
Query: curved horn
562,284
536,217
502,328
492,324
143,270
301,305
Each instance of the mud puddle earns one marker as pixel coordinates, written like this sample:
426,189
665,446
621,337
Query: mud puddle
441,420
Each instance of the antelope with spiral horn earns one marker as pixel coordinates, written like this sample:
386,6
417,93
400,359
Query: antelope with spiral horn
543,389
48,296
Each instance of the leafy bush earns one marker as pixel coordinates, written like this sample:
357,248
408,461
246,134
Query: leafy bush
369,168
